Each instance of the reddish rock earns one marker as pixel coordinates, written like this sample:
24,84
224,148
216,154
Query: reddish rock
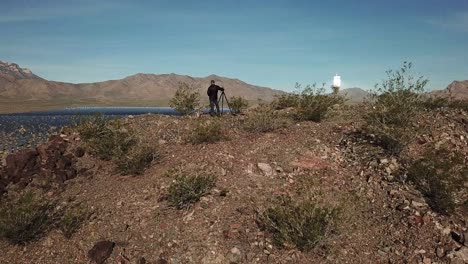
22,164
48,160
101,251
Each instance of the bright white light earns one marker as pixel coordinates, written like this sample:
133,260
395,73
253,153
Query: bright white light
337,81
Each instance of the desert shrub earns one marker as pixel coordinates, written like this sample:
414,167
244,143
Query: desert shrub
314,104
111,140
188,188
206,132
91,126
106,138
72,220
284,101
438,175
395,104
25,219
238,104
302,224
186,99
432,103
264,119
136,160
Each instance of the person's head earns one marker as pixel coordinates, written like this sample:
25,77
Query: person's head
212,82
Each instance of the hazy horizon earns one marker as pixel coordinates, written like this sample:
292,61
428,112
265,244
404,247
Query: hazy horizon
266,43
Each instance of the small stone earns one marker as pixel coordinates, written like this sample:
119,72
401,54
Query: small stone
265,168
417,204
119,203
235,255
446,231
427,260
383,161
440,252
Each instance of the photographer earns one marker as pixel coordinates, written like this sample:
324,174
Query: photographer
213,97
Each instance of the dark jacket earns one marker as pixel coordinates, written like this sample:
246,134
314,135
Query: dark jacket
213,91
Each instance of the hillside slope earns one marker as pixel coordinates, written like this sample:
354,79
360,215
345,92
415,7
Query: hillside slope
382,219
21,86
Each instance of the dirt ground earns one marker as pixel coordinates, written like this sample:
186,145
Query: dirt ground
382,220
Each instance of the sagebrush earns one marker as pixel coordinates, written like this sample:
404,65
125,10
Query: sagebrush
186,99
394,105
238,104
206,132
301,224
189,187
314,103
439,175
25,219
105,137
264,119
72,219
112,140
136,160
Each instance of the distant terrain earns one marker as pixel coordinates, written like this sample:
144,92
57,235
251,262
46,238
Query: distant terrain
21,90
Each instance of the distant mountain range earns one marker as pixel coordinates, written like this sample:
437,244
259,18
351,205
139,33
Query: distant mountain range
22,90
16,82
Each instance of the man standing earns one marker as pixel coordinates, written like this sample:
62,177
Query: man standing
213,96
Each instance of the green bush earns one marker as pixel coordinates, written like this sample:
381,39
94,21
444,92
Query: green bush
438,176
314,104
284,101
238,104
136,160
72,220
302,224
264,119
111,140
432,103
186,99
106,138
206,132
395,104
189,188
25,219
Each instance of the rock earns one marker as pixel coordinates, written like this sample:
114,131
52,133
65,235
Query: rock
462,254
458,237
48,161
427,260
265,168
383,161
101,251
79,152
235,256
440,252
417,204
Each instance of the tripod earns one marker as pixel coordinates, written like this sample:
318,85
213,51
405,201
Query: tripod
222,99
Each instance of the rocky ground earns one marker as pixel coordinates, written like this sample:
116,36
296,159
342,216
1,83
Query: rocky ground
382,218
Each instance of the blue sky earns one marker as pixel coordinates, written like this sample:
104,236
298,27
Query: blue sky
272,43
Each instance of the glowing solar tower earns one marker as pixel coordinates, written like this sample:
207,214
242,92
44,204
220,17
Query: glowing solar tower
336,83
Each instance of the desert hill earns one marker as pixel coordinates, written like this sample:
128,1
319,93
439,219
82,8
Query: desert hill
354,95
21,85
456,90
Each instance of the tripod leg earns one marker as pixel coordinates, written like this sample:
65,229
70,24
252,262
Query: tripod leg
227,103
222,105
